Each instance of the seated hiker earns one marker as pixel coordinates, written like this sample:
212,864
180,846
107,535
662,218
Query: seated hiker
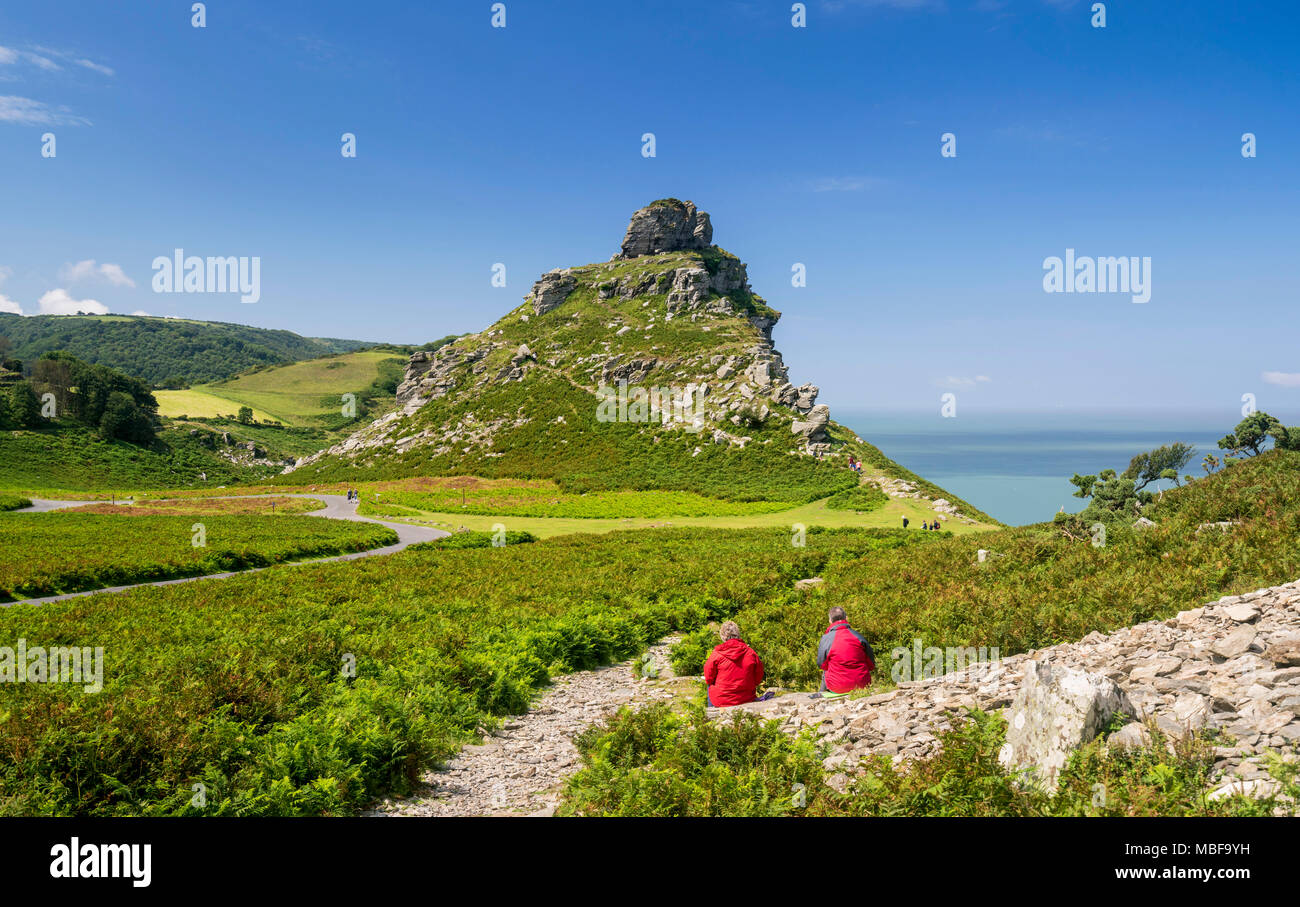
733,671
845,657
905,521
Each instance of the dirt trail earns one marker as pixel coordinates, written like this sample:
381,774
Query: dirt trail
519,769
337,507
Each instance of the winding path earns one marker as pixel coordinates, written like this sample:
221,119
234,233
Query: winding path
337,507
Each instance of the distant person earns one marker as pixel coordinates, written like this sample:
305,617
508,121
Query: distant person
904,522
733,671
925,525
934,525
844,656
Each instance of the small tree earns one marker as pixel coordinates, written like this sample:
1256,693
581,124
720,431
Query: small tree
1147,467
24,406
1210,463
123,420
1251,434
245,415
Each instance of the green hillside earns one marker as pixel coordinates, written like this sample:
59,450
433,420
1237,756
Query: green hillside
307,393
522,399
163,351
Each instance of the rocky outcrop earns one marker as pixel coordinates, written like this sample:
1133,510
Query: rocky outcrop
551,289
1233,664
667,225
1056,710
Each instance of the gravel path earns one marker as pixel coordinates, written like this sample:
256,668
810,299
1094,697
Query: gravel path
519,770
337,507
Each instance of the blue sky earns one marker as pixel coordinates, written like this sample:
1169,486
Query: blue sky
818,145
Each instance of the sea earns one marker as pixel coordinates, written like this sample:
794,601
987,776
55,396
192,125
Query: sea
1017,466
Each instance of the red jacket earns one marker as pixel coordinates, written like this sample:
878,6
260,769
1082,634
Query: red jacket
846,658
733,673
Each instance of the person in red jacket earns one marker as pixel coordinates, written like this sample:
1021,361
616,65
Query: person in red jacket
733,671
845,657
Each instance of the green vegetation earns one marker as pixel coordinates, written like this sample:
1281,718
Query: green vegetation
653,762
245,505
300,394
13,502
244,685
1252,434
861,498
582,455
1042,588
50,553
459,541
164,352
70,458
546,498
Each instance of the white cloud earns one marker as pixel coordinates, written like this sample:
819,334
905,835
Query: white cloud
8,305
1282,379
85,270
44,63
142,312
97,67
5,273
8,56
27,112
58,302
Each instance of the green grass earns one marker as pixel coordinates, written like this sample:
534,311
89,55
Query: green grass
13,502
71,458
815,514
302,394
1039,588
243,684
50,553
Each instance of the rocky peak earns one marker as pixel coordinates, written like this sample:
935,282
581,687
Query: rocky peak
667,225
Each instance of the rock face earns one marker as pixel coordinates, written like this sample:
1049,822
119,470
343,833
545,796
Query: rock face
667,225
1057,710
551,289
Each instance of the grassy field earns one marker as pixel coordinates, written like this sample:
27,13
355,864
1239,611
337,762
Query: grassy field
299,394
73,461
246,506
245,685
50,553
311,691
818,513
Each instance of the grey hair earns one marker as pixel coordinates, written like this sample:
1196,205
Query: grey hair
836,614
729,630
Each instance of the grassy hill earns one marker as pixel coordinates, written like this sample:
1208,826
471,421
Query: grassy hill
522,398
162,350
305,393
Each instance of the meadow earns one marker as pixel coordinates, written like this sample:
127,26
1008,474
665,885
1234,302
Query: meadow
312,691
301,394
50,553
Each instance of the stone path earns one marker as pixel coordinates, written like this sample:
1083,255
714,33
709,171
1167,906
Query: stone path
337,507
519,770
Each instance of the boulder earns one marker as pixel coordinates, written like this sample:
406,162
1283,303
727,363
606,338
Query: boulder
551,289
667,225
1056,710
